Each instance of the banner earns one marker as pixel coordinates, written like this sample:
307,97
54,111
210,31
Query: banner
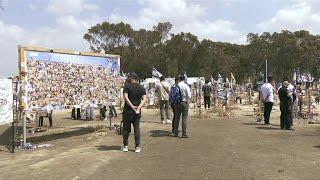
6,101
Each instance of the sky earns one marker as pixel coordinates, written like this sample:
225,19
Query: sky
62,23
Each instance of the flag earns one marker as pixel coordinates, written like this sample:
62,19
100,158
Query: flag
220,79
294,79
156,73
186,78
233,80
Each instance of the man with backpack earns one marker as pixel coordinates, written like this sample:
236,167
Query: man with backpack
174,100
182,107
163,89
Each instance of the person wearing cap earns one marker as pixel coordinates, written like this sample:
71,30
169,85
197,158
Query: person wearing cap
182,107
135,97
285,96
267,91
163,90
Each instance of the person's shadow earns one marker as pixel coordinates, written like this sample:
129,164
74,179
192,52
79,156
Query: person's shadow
108,148
160,133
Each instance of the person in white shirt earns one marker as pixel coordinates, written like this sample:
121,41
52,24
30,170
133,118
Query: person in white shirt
267,91
182,107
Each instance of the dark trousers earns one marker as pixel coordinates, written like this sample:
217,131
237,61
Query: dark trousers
286,116
75,114
41,120
181,108
238,98
129,118
267,111
112,111
78,113
206,101
174,116
103,112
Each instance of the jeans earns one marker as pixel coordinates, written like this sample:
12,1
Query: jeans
267,111
164,109
206,101
89,113
130,117
41,120
181,108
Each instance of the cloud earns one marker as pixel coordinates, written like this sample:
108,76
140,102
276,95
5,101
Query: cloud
67,7
186,16
10,36
67,33
302,14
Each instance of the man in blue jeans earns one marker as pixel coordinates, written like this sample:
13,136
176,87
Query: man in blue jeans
135,97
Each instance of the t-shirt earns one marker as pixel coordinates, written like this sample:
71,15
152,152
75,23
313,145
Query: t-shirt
206,89
267,92
185,91
135,92
163,89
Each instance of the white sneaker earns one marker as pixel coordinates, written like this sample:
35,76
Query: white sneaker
163,122
169,121
137,150
125,149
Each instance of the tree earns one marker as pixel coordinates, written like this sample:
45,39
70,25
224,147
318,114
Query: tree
173,54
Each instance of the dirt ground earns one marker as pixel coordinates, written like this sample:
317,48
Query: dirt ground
233,147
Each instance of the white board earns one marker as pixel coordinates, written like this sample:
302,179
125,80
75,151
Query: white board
6,101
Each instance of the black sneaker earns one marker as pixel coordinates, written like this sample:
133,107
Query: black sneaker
185,136
290,129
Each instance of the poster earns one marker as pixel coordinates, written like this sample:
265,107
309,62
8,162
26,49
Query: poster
67,80
6,101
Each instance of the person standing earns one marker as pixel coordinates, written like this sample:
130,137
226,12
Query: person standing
267,91
286,102
162,90
206,89
174,100
182,107
135,97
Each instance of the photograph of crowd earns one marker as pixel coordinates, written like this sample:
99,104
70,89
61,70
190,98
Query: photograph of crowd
68,84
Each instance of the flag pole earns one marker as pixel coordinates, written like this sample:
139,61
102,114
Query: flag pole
266,70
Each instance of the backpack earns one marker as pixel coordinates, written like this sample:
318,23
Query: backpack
175,95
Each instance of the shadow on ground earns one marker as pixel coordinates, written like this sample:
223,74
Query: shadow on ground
108,148
155,122
5,138
160,133
257,123
267,128
56,136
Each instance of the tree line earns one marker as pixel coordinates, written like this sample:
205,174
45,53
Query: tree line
173,54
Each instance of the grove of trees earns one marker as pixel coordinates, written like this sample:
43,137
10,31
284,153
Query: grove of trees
173,54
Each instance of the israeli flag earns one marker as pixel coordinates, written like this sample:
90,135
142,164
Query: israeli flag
220,79
156,73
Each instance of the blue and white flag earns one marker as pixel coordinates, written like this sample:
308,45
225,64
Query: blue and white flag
220,79
156,73
186,78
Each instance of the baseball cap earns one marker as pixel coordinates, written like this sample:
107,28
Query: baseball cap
133,75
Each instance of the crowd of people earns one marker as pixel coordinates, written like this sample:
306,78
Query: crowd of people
69,84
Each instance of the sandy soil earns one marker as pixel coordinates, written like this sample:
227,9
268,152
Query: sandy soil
234,147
